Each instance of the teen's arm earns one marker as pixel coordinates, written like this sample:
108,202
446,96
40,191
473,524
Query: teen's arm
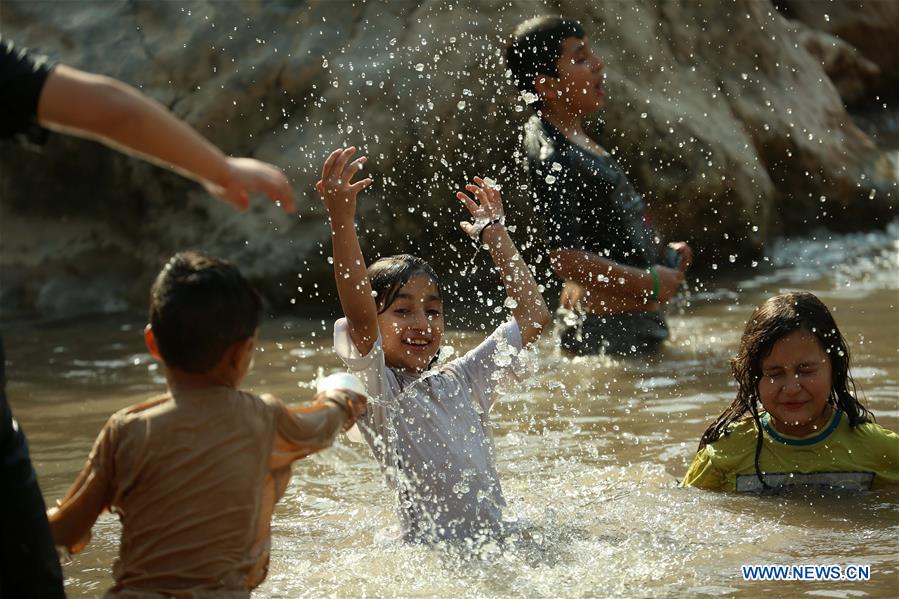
115,114
353,287
611,285
530,310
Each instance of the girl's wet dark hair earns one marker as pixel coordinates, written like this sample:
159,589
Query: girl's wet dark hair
776,318
536,47
388,275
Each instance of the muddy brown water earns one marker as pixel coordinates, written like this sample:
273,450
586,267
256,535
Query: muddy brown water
590,452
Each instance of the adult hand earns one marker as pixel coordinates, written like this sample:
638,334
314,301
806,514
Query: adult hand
336,186
244,176
685,252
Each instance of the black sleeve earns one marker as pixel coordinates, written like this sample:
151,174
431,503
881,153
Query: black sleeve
22,78
555,194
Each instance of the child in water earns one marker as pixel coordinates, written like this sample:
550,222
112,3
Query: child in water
194,474
427,426
812,430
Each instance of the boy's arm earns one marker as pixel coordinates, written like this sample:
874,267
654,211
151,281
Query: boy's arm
307,429
622,288
89,495
353,286
530,310
113,113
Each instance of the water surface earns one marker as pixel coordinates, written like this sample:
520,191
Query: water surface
590,452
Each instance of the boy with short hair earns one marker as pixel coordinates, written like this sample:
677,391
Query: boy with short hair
614,268
194,474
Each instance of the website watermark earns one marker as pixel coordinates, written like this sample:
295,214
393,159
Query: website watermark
806,572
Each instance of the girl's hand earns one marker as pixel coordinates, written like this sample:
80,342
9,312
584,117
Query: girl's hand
488,208
336,185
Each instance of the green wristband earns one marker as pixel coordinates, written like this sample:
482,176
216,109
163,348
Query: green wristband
656,283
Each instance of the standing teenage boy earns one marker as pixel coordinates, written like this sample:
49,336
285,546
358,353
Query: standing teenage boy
616,273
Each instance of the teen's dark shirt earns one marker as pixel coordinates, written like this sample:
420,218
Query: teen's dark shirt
585,200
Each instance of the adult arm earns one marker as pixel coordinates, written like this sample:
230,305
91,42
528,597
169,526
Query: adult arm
109,111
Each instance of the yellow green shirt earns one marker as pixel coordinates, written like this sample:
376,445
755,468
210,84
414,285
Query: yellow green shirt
863,457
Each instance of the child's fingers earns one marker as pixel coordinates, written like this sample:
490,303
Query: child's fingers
340,165
360,185
353,168
329,163
478,192
472,207
466,227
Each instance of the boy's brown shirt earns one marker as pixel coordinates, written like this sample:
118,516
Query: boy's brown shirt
194,479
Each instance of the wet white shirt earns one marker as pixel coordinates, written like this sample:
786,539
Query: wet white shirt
431,433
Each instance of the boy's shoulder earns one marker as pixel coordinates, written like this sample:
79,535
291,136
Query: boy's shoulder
141,410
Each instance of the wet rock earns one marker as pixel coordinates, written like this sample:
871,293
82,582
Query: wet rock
851,73
869,26
722,116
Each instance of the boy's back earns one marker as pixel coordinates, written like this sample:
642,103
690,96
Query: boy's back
194,479
194,475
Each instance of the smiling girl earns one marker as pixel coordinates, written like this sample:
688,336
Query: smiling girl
811,430
428,427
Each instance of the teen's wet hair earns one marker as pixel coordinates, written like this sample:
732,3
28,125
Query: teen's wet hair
536,47
774,319
388,275
199,306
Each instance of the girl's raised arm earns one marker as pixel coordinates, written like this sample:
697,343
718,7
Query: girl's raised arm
338,193
489,228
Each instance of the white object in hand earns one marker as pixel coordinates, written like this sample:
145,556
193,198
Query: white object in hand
341,380
346,382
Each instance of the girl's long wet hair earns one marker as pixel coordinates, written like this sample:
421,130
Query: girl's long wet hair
776,318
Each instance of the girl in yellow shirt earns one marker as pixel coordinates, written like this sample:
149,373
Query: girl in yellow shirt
810,429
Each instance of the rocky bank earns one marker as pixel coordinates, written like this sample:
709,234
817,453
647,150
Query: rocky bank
729,116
